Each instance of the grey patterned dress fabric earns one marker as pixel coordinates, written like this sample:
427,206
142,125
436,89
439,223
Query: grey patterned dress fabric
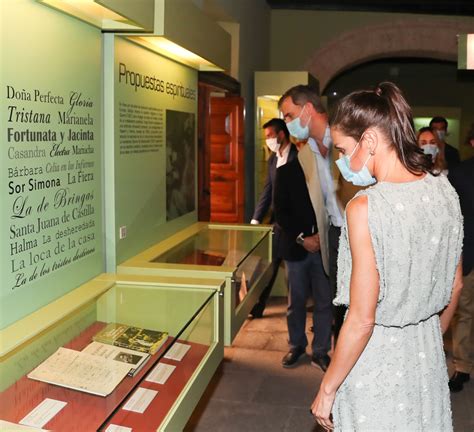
400,381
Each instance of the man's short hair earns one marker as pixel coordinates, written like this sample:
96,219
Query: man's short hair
439,119
302,94
278,125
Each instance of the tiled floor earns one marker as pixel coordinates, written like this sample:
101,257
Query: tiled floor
252,392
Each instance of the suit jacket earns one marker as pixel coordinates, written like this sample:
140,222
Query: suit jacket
462,178
265,202
294,212
451,155
310,168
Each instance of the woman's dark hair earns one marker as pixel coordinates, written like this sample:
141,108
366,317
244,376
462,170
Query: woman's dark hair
386,109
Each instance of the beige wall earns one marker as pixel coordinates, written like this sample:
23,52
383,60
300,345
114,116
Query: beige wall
295,34
286,40
431,88
253,17
297,37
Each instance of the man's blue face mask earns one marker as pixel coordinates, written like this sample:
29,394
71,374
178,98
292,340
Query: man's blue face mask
299,132
360,178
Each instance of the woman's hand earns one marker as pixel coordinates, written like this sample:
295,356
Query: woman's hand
321,409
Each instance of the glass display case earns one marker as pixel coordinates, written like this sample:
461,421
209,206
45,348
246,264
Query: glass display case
238,255
163,392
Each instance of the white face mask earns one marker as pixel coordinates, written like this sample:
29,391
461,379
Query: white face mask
357,178
296,129
431,149
441,134
273,144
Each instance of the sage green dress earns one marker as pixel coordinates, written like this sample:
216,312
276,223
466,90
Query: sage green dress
400,381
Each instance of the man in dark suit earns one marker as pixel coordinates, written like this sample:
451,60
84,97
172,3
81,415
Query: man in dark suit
301,249
451,154
277,139
462,178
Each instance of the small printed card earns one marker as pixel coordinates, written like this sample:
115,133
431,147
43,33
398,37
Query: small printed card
160,373
177,351
43,413
8,426
135,359
140,400
116,428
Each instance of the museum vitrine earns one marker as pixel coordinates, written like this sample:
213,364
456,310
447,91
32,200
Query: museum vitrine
58,374
238,255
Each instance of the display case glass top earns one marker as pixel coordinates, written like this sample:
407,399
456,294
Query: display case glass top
213,246
203,250
237,255
183,322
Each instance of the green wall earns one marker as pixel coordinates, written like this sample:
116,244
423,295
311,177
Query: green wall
50,167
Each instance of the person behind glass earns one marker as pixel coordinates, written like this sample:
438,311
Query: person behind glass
462,178
440,126
277,139
430,144
307,121
388,371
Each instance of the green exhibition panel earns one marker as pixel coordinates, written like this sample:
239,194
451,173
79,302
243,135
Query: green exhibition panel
179,319
150,147
237,255
51,176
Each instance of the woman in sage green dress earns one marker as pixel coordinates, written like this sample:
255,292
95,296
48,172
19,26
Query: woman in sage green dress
399,273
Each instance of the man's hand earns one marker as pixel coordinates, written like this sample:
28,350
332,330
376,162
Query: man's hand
312,243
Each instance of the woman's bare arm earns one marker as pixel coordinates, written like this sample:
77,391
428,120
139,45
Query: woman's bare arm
358,326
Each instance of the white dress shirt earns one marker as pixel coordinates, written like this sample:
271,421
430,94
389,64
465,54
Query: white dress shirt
328,186
281,160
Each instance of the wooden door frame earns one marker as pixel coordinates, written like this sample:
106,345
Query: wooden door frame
227,159
208,82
